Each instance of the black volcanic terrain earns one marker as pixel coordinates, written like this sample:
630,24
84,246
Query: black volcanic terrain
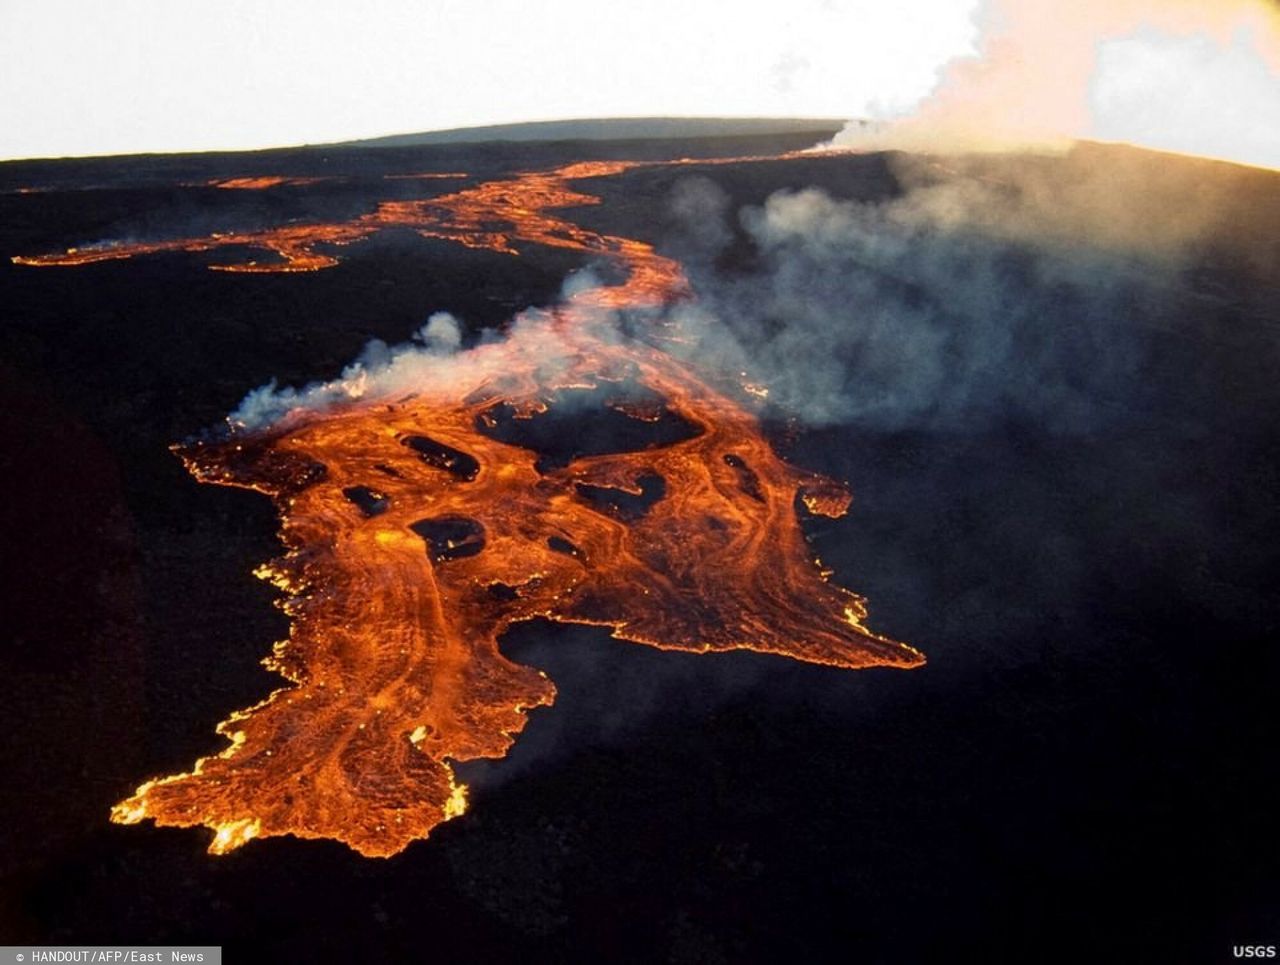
1050,383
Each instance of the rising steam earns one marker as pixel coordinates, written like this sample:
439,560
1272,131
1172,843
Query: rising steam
1178,75
379,370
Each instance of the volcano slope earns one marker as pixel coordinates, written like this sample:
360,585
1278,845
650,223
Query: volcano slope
1056,424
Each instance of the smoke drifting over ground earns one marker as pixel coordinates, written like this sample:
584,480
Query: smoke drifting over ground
908,314
983,289
380,369
1020,289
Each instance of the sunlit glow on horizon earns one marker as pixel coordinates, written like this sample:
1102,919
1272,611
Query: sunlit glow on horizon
1176,75
138,76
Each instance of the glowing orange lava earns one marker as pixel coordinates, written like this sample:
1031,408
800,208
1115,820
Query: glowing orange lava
430,176
420,525
258,183
488,216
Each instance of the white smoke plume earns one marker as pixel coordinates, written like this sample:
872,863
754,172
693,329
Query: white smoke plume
427,360
380,370
987,289
990,289
1179,75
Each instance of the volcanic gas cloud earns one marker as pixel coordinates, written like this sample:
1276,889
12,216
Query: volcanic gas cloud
422,518
1186,76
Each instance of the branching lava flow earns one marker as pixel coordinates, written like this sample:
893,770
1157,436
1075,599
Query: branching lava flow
419,525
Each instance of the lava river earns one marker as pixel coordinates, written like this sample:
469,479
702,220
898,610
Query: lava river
421,520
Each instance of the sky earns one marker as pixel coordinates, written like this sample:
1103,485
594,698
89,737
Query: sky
91,77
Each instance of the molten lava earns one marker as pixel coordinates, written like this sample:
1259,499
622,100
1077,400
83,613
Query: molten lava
487,216
421,524
259,183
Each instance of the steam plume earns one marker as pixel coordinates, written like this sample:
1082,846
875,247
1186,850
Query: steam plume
1197,78
379,370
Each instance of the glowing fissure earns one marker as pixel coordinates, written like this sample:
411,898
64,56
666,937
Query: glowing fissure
417,531
262,182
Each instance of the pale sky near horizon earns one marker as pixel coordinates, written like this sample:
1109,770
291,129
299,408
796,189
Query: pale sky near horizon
89,77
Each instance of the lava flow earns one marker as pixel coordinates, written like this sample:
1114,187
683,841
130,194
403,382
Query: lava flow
487,216
423,514
490,216
259,183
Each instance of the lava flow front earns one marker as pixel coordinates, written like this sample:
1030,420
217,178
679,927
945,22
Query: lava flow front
423,514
